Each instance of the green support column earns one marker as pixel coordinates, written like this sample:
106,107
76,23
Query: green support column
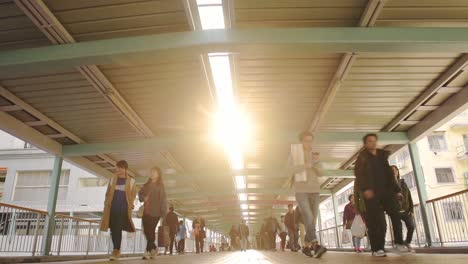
421,188
335,214
51,205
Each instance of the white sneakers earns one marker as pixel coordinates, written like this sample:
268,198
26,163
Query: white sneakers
379,253
146,255
401,248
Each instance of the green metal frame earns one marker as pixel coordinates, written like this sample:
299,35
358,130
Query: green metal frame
421,188
160,143
51,205
321,40
268,173
189,195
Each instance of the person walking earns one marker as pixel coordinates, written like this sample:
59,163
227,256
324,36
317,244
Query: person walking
244,235
307,188
406,208
375,180
172,222
118,207
153,195
181,235
348,217
198,226
271,228
282,230
234,234
293,229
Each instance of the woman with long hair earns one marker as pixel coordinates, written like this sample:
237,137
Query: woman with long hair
406,208
153,195
118,206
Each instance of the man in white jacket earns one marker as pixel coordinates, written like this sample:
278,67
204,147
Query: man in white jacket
307,188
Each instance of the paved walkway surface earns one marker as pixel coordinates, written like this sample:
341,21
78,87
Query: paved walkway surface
260,257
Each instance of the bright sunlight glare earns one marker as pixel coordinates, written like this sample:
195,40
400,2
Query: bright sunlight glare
231,125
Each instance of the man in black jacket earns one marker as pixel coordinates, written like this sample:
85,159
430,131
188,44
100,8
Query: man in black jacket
374,177
173,223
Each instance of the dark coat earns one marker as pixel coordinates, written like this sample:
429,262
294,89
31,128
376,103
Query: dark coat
243,231
365,176
172,221
407,201
156,200
290,221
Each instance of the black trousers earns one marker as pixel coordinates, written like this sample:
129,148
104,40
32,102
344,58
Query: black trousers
116,225
293,239
376,224
410,225
199,242
181,246
172,236
272,240
149,227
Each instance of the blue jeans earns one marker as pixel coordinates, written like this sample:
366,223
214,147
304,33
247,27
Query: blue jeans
309,206
356,241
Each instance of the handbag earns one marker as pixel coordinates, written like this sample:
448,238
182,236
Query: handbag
358,228
346,236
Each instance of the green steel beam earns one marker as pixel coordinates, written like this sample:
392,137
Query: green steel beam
211,194
51,205
321,40
268,173
153,144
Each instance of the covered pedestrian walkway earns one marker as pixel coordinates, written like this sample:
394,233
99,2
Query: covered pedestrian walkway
215,92
256,257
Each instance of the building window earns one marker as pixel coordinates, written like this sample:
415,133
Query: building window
3,174
453,211
437,143
343,197
409,179
35,185
92,182
444,175
403,156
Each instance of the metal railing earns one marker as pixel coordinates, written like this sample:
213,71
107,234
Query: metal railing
448,216
22,230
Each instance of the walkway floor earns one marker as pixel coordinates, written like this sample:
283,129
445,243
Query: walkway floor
260,257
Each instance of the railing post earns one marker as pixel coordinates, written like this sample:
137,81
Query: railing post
89,239
416,229
437,224
421,188
36,234
134,242
60,237
335,214
319,217
51,205
390,224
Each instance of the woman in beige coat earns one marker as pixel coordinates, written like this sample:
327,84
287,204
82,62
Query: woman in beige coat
118,206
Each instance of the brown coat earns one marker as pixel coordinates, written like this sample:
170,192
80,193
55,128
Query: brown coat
130,192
